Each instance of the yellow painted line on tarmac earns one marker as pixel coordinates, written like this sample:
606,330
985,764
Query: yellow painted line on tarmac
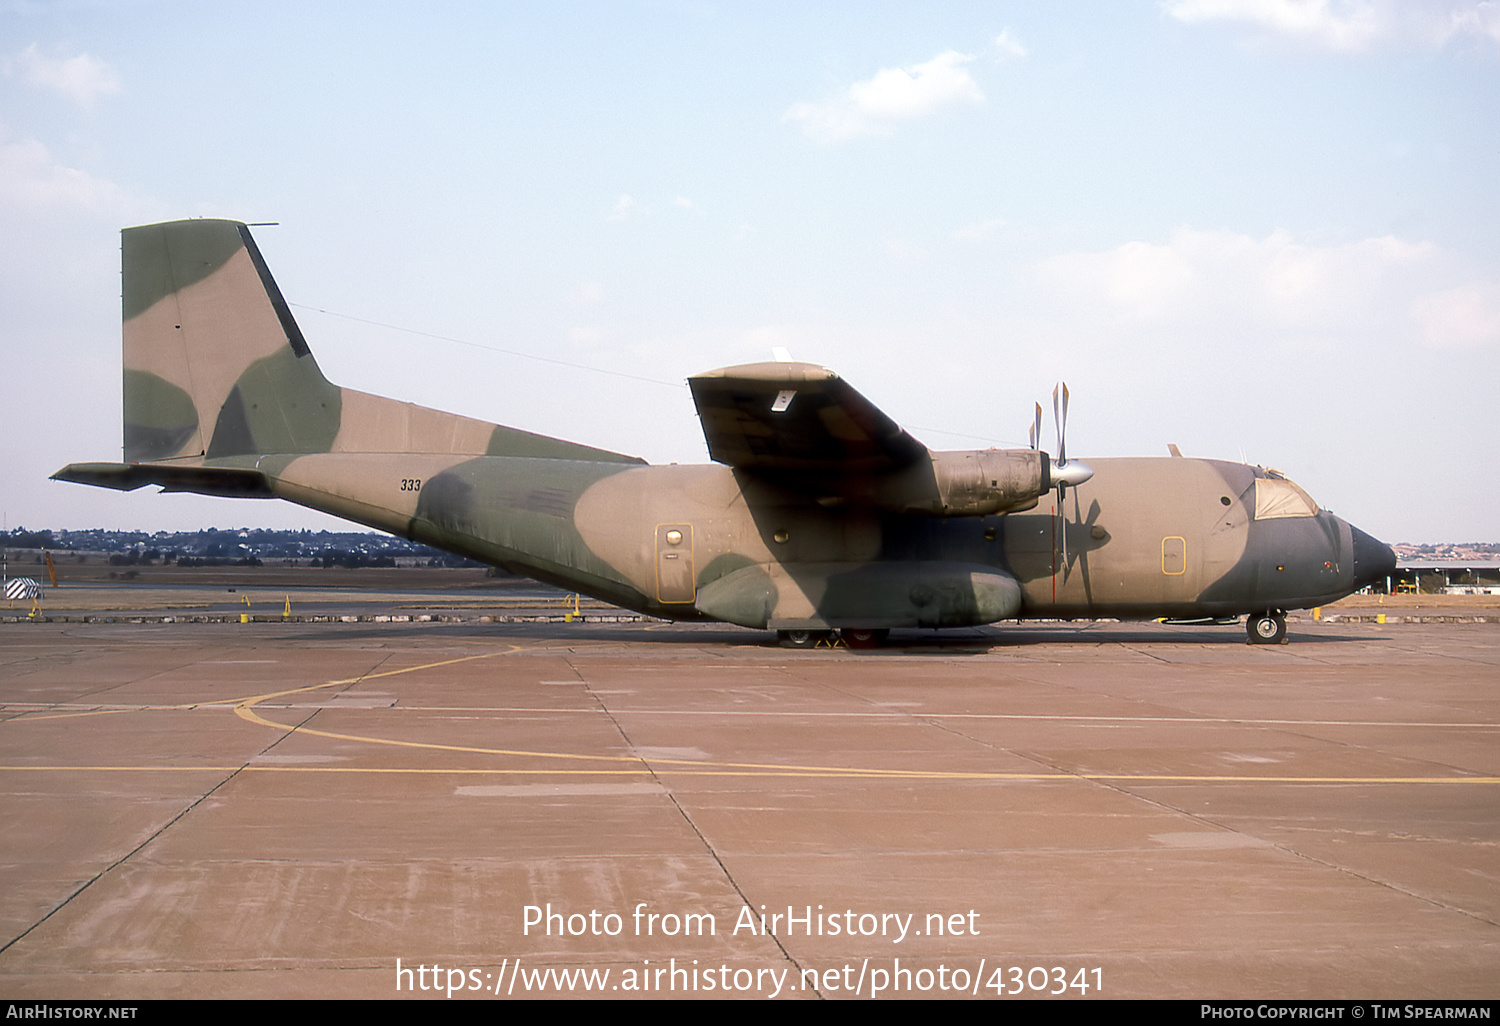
253,699
243,708
246,713
703,767
31,718
826,772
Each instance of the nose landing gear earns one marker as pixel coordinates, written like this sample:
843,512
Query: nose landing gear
1268,628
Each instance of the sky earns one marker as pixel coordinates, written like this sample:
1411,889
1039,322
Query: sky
1263,230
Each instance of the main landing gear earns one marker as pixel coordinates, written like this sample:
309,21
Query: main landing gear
851,637
803,638
1268,628
865,637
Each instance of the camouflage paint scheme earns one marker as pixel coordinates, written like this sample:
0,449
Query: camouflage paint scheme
821,513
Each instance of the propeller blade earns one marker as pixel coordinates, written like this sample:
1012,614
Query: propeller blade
1063,474
1062,428
1057,422
1036,428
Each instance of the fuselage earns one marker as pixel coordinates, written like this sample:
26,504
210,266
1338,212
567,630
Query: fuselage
1168,537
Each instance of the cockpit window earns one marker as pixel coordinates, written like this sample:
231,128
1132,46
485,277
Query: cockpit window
1276,498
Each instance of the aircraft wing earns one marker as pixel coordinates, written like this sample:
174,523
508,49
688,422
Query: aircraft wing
797,419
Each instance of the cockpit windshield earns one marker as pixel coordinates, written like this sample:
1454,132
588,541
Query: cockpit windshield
1277,498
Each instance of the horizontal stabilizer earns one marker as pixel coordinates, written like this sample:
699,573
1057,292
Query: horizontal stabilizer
234,482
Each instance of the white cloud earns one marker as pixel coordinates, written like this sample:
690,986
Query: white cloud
1008,46
587,335
32,179
1276,348
1466,317
1340,25
893,95
979,230
1276,286
900,251
1480,19
1351,26
624,207
82,79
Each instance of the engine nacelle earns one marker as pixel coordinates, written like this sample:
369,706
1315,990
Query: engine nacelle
967,483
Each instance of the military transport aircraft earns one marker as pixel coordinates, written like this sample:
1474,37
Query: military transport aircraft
820,515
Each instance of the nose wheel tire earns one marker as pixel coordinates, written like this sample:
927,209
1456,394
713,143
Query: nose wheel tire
1266,628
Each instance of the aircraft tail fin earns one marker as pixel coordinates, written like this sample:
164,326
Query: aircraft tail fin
215,364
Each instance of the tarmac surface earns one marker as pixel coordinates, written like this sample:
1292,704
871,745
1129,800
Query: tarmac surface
368,810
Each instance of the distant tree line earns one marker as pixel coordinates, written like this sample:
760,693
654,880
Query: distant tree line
20,538
352,560
241,547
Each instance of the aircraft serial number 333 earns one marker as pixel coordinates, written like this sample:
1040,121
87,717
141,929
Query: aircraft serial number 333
820,514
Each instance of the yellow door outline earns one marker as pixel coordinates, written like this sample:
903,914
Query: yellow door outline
1176,553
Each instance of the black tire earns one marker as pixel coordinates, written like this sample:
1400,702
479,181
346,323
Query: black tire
1266,628
797,638
865,637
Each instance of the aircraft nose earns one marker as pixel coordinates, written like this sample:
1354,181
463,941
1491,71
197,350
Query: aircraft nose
1373,559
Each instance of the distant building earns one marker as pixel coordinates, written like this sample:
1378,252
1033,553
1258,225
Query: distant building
1446,577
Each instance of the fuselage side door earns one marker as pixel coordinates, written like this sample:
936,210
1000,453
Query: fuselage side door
675,573
1174,555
